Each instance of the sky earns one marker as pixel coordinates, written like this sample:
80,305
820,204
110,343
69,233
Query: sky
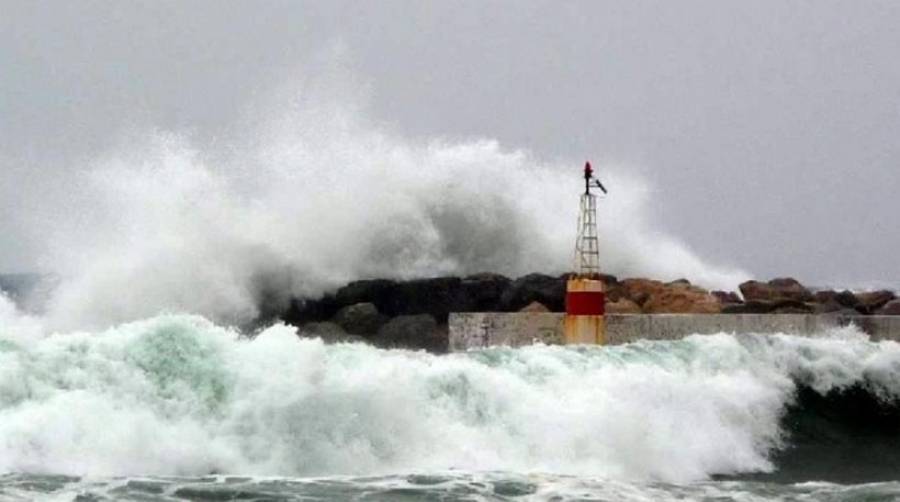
768,131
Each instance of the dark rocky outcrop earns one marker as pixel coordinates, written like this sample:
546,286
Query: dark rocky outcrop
301,311
412,332
844,298
360,319
436,297
726,297
483,291
777,289
890,308
375,291
548,290
413,314
793,307
870,302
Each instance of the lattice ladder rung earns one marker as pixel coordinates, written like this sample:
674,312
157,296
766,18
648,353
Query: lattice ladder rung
587,254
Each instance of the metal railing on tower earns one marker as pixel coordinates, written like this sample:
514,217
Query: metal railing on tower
587,246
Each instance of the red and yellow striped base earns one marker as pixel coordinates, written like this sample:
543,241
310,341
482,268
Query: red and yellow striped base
585,306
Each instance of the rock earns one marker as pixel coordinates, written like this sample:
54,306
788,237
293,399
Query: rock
623,306
793,307
360,319
844,298
890,308
484,291
755,291
378,292
615,293
412,332
847,299
825,296
791,289
609,280
727,297
534,308
773,307
655,297
329,332
437,297
681,299
640,290
776,289
304,311
550,291
871,301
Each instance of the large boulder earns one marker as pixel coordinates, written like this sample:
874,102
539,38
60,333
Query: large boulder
871,301
777,289
656,297
843,298
640,290
548,290
727,297
535,308
483,291
360,319
890,308
412,332
302,311
437,297
829,306
623,306
793,307
378,292
681,299
788,288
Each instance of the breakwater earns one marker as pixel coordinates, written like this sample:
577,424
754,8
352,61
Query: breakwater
416,313
483,329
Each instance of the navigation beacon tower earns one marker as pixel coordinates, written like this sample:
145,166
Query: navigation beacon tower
585,299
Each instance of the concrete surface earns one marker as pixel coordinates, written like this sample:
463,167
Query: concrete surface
473,330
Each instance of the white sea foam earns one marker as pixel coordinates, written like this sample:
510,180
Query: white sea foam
309,193
180,395
16,325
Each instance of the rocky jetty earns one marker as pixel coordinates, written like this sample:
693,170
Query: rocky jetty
413,314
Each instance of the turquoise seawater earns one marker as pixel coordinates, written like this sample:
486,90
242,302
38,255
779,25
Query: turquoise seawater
178,408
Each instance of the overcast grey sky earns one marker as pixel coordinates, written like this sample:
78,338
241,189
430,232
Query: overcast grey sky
770,130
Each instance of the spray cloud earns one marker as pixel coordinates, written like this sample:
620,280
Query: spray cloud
309,193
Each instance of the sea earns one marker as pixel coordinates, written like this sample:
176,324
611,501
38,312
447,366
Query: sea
176,407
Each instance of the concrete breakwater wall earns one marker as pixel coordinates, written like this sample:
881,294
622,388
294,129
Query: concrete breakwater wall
473,330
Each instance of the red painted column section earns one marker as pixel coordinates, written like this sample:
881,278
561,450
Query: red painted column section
585,302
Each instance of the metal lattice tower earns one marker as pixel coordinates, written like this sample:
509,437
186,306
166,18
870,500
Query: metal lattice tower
587,251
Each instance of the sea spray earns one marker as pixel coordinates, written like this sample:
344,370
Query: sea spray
309,194
178,395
